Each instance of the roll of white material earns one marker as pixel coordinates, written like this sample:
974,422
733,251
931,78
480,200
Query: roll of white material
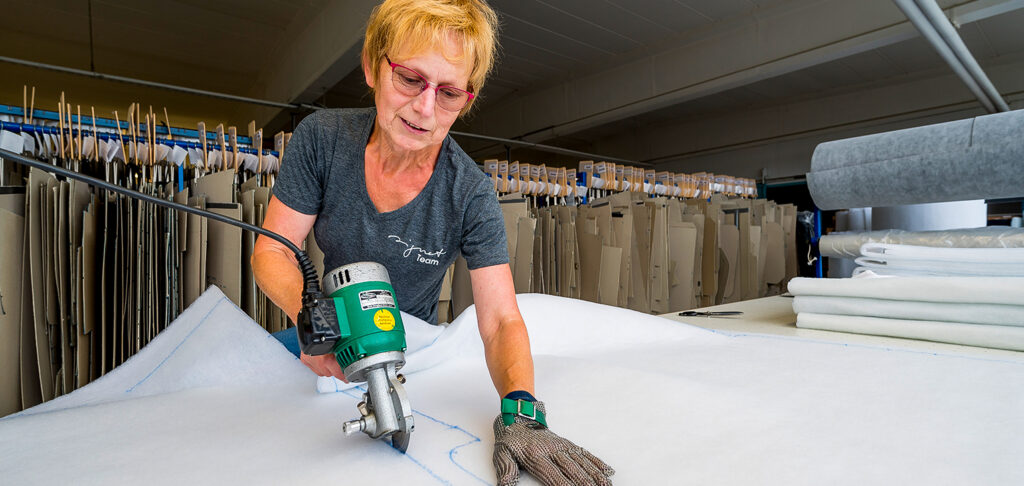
992,314
677,191
999,337
891,253
931,267
598,183
848,245
879,271
968,290
661,189
625,185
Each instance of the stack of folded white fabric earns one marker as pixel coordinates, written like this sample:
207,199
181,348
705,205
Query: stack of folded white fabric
974,311
889,259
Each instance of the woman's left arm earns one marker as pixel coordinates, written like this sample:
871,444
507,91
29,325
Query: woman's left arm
506,343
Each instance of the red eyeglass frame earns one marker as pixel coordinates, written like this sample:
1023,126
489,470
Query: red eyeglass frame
427,84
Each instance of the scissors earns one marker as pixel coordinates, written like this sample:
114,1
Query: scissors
710,314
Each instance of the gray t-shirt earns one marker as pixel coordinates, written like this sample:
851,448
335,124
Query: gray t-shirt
457,211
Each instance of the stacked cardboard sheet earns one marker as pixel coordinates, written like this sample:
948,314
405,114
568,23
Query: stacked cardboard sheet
975,311
87,277
649,254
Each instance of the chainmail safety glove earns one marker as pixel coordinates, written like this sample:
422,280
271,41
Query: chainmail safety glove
551,459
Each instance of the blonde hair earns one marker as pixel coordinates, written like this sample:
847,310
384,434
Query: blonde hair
414,26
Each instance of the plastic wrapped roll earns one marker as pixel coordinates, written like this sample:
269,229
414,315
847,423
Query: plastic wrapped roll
956,161
848,245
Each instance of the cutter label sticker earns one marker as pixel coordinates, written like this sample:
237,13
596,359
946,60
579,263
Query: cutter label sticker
376,299
384,320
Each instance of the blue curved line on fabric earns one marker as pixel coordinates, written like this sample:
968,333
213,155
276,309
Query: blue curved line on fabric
187,336
451,452
407,455
454,450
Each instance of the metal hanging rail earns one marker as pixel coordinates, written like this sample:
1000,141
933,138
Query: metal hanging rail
111,124
301,106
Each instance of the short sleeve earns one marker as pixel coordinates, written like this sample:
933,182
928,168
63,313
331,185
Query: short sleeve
300,182
483,230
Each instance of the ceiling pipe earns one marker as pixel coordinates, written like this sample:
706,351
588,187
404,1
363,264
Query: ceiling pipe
926,29
945,28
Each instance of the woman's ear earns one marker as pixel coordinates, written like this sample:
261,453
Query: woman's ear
368,73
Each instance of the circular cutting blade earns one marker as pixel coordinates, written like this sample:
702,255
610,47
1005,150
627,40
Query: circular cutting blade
400,441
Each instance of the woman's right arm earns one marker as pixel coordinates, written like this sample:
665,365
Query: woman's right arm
273,265
277,273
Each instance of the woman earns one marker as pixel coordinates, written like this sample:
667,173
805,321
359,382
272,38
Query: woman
388,184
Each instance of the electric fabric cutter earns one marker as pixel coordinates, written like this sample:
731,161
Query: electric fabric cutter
359,322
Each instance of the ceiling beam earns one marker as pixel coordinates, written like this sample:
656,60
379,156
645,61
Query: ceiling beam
317,51
768,43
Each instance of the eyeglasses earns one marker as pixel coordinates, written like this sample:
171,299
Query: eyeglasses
412,83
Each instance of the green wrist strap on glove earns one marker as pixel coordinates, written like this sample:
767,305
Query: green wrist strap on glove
548,457
510,409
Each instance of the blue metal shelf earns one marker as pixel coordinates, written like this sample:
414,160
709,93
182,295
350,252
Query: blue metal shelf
107,136
110,123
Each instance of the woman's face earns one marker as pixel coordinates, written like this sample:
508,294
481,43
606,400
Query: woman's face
414,123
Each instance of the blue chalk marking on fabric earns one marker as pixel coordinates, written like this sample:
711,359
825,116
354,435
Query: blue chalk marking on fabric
187,336
451,452
425,468
455,450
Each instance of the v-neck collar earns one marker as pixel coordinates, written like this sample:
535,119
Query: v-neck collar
439,165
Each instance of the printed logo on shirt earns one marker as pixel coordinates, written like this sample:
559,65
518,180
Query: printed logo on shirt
422,256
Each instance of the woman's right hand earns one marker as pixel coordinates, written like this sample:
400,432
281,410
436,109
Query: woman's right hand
323,365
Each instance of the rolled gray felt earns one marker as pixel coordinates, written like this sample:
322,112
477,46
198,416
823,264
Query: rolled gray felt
980,158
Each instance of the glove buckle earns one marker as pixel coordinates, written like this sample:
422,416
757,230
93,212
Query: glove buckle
510,409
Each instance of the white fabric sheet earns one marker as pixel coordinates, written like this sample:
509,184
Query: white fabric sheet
987,336
213,401
968,290
994,314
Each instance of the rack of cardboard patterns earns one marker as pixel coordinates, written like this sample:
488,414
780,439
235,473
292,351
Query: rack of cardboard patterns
88,277
618,239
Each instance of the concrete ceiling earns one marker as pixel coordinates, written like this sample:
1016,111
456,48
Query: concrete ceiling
676,83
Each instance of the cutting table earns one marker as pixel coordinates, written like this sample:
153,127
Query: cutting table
774,316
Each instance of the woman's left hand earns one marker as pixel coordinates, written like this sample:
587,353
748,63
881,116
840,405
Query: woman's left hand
323,365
